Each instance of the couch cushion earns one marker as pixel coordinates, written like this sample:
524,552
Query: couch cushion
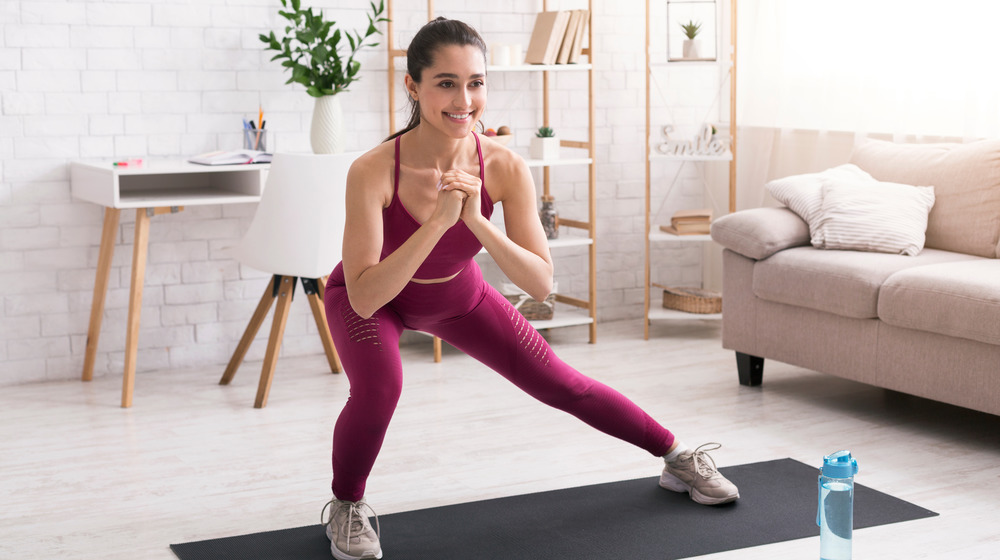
960,299
966,181
872,216
758,233
845,283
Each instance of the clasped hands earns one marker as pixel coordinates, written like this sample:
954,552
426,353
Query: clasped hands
458,197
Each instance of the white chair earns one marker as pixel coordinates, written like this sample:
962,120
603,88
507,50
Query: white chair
296,233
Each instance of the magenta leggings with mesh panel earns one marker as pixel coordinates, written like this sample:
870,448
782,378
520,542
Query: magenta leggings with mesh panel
470,315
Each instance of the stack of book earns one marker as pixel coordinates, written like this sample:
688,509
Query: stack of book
690,222
557,37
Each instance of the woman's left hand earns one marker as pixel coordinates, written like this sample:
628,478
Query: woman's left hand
456,179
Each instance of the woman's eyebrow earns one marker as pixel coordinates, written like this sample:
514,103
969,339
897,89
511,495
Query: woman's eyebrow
455,76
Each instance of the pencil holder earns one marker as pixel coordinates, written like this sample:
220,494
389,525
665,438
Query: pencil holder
254,139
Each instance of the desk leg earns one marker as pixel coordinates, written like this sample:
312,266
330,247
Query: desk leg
108,236
139,251
315,290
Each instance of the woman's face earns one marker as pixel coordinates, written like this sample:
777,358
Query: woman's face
452,92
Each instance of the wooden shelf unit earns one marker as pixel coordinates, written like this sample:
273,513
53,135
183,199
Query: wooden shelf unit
586,309
655,236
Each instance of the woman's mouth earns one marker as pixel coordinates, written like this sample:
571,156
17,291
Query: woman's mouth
459,116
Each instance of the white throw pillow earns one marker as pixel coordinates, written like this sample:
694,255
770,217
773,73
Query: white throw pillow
878,217
803,193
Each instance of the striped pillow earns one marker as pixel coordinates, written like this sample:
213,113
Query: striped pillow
877,217
802,193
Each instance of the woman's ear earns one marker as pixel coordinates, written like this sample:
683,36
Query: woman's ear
411,87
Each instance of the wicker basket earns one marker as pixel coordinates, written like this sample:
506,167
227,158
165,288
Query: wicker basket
692,300
532,309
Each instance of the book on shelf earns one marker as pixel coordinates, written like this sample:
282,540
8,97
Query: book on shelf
547,37
231,157
690,222
581,30
569,37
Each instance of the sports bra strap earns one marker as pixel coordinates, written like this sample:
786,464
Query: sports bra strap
395,180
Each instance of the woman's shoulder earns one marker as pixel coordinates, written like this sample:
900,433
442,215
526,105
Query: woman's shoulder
373,170
500,160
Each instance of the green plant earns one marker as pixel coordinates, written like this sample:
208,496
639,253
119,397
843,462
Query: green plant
312,52
546,132
691,29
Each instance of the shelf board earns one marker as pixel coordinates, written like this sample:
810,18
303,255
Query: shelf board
183,196
661,313
558,161
561,318
570,242
728,156
538,68
559,243
664,236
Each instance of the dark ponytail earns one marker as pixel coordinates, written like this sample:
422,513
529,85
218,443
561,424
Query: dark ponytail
432,36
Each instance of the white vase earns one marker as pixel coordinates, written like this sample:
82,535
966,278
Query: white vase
690,48
544,148
326,134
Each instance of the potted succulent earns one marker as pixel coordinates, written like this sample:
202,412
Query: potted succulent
544,145
691,29
310,49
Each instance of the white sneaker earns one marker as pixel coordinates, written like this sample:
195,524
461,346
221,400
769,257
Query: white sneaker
351,535
695,473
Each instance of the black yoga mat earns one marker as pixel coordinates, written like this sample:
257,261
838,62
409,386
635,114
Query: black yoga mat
633,519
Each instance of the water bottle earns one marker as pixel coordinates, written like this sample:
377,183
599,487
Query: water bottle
835,513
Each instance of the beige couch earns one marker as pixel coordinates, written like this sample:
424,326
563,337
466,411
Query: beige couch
927,325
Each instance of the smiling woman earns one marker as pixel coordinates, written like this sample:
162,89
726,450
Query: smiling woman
418,210
420,56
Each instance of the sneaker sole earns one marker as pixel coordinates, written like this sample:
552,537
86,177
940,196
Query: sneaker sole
340,555
671,482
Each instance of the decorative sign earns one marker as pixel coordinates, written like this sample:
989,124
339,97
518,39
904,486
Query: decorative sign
704,144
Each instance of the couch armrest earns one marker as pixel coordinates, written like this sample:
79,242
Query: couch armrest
759,233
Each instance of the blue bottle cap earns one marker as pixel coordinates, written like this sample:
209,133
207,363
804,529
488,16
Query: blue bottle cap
840,465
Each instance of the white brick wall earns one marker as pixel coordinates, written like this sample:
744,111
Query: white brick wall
169,78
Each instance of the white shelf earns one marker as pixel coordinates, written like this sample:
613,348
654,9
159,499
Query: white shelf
728,156
664,236
557,161
538,68
661,313
166,183
561,318
570,242
559,243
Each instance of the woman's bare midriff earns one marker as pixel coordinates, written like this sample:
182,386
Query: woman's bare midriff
434,280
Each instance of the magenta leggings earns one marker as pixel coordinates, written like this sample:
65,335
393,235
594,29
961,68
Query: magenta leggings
470,315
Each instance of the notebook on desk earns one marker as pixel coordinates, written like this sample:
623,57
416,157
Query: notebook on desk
231,157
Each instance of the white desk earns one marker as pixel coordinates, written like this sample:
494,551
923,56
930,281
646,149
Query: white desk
152,188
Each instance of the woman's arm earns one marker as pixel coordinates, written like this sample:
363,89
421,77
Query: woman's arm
523,252
371,283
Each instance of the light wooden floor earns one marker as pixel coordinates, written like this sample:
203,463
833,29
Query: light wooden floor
82,478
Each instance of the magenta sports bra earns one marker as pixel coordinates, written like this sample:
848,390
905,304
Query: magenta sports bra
453,251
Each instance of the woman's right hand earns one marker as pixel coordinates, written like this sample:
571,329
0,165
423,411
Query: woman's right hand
449,207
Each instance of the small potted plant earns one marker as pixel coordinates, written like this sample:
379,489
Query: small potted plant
691,29
545,145
311,50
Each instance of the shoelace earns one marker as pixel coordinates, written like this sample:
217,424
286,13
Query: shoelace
701,466
354,510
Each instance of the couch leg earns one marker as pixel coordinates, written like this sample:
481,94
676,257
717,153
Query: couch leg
750,368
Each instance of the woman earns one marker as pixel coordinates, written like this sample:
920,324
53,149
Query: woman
418,209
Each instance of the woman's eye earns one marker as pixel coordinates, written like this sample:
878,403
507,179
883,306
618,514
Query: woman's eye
478,83
446,84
